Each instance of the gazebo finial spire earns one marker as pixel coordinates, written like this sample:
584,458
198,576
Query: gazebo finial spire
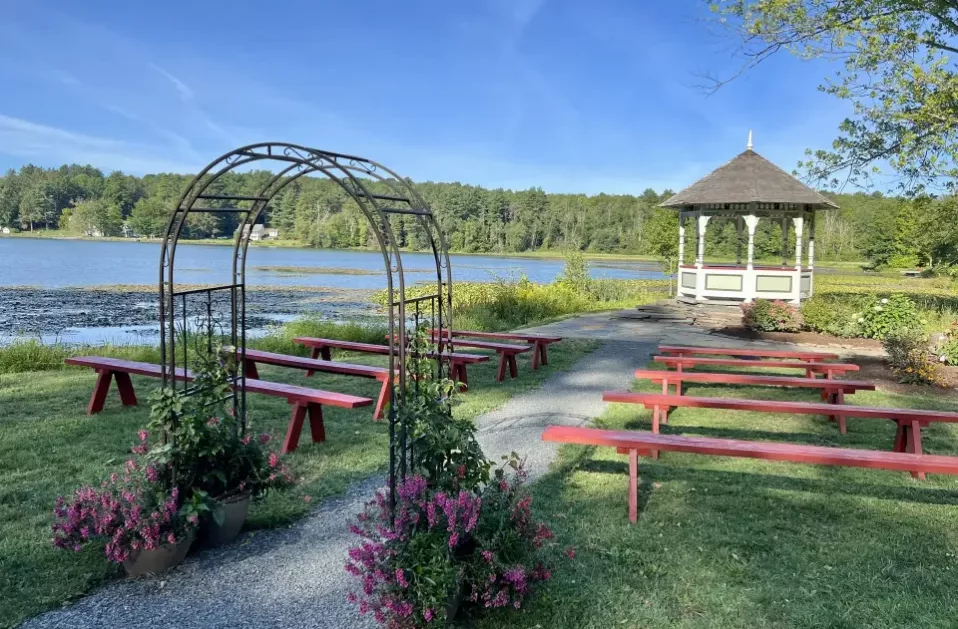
748,147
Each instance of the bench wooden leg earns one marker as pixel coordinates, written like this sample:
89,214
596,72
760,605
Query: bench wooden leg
914,444
839,400
251,372
296,421
656,420
316,426
664,412
536,355
125,386
513,367
100,390
382,401
315,353
901,438
295,427
460,375
633,486
501,374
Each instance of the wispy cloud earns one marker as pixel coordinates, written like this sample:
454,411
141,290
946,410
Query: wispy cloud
186,94
30,140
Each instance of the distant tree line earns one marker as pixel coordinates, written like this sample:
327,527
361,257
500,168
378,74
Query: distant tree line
315,211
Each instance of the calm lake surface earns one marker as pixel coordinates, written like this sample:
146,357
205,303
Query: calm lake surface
339,284
49,263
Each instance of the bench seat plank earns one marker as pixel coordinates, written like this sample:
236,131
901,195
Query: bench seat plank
633,443
311,365
305,401
540,343
507,352
909,421
682,350
457,360
754,379
829,369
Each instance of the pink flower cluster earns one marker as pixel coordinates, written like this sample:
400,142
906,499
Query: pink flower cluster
130,514
436,528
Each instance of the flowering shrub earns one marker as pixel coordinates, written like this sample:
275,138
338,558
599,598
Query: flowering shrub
947,349
129,512
203,442
885,315
909,358
771,316
201,461
832,314
481,543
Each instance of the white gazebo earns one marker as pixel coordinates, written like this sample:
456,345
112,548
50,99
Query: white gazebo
748,188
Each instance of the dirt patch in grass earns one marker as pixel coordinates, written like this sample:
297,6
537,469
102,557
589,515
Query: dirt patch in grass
875,369
801,338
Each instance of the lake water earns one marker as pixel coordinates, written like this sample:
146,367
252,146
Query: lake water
51,263
339,283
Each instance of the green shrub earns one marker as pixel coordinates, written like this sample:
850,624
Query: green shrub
885,315
504,305
907,351
771,316
281,338
575,273
829,315
32,355
947,349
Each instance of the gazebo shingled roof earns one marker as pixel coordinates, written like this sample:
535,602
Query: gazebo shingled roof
748,178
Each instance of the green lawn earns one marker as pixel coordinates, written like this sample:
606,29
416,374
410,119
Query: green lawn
49,447
737,543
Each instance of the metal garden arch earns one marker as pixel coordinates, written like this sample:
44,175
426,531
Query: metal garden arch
188,312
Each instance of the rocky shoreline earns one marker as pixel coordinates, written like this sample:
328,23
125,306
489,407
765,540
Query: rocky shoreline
133,309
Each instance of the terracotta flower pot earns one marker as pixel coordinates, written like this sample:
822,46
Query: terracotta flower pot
158,560
235,510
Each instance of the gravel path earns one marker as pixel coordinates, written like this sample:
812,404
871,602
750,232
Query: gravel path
294,577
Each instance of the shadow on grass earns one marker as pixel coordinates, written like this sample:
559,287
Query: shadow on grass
723,478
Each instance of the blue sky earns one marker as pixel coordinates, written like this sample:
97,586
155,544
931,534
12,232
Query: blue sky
570,95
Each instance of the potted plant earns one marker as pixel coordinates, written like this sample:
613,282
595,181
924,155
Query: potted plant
439,551
145,526
206,453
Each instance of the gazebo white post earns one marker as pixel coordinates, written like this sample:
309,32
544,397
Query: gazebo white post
681,261
811,252
681,238
738,240
784,240
703,222
748,284
798,222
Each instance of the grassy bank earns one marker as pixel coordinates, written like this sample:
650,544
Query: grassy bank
744,544
844,294
50,446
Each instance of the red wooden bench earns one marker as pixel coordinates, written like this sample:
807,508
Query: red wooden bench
682,350
540,343
829,369
832,391
507,353
311,365
907,437
457,361
304,401
636,443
